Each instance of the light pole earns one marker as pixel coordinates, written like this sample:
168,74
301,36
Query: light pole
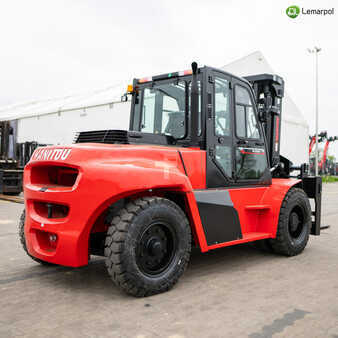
316,50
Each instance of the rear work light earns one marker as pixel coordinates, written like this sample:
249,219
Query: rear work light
145,79
185,72
165,76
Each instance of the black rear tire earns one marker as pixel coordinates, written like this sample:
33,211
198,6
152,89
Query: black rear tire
21,231
148,246
294,224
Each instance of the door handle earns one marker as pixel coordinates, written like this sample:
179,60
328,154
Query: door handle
240,142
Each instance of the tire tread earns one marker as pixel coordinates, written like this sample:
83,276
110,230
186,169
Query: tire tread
280,244
116,236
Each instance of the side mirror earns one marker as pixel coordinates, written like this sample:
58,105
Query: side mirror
124,98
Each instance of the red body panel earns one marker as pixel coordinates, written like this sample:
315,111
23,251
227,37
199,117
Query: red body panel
108,173
195,165
258,210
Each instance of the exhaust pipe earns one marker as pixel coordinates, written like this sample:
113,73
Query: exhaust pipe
194,107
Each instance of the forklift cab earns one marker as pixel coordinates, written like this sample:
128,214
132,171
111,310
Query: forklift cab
226,118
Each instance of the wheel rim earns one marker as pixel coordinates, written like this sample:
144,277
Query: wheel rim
296,223
156,248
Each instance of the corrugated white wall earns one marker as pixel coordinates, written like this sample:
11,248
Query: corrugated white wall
60,128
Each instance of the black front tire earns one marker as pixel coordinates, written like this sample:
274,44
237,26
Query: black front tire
148,246
21,231
293,225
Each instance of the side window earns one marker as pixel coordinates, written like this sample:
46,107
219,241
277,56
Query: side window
224,158
251,124
148,116
163,109
199,106
240,121
251,161
222,107
246,123
172,118
222,124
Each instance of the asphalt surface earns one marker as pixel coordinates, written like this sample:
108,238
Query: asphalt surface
230,292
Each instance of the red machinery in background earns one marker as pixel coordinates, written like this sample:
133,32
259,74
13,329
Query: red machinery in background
321,137
323,168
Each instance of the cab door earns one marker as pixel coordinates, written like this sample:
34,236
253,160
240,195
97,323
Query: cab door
250,154
219,126
236,156
219,217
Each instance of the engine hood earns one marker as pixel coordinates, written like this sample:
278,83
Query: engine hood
188,161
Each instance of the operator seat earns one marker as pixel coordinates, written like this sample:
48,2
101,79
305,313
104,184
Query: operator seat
176,125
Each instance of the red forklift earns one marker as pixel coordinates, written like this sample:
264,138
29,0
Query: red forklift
323,164
321,137
199,166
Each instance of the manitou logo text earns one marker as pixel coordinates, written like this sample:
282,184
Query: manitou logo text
51,154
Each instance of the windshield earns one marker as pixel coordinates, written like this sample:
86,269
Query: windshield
161,109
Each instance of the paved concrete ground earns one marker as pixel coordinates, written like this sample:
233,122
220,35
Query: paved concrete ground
231,292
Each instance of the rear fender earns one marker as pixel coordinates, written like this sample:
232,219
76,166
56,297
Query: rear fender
125,181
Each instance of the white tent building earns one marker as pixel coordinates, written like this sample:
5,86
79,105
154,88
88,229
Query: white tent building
55,121
294,128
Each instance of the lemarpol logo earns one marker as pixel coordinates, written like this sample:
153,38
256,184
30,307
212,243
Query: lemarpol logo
292,12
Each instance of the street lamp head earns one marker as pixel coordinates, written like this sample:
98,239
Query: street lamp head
314,50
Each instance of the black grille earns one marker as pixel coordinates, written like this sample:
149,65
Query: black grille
102,136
